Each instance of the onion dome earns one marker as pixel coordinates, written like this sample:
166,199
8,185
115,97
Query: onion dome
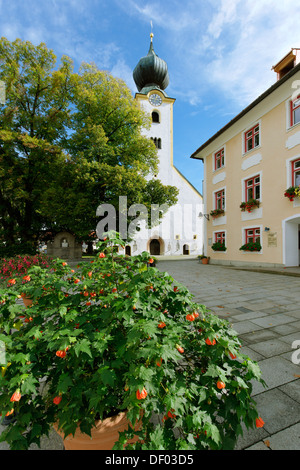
151,72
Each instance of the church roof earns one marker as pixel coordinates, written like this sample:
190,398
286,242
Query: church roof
151,73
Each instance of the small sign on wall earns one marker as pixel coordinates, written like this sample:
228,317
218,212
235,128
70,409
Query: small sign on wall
272,239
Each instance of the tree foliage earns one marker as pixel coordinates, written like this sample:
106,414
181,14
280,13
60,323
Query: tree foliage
68,143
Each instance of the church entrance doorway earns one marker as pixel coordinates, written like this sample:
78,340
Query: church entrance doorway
155,247
186,249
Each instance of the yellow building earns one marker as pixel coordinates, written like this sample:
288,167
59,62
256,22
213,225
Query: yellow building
248,166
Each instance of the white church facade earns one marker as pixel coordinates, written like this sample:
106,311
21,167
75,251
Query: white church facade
181,229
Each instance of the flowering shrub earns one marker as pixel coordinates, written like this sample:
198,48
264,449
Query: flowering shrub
216,213
117,335
251,246
218,246
292,192
14,269
249,205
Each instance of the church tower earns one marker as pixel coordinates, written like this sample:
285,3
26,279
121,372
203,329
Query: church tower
181,230
152,78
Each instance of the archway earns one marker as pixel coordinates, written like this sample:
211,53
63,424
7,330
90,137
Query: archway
128,250
186,250
154,247
291,246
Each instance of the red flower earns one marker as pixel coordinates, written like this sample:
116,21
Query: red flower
190,317
233,356
159,362
101,255
175,289
57,400
170,414
209,343
114,290
16,396
141,395
259,422
180,349
90,273
26,278
220,385
151,260
61,353
161,325
76,281
88,304
196,314
11,281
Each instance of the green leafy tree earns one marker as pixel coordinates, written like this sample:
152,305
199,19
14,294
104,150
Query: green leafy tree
68,143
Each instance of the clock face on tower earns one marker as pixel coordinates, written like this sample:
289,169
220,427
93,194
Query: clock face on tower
155,99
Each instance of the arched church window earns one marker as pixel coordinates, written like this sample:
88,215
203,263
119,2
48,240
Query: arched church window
155,116
157,142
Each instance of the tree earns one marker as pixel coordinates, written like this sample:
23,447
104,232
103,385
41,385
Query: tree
33,121
68,143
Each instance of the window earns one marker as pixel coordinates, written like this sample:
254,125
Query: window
220,237
252,188
219,159
295,111
252,235
252,138
155,116
157,142
220,199
296,173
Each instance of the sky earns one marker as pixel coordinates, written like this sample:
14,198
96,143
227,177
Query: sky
219,53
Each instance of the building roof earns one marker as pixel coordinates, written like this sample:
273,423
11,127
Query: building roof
246,110
151,72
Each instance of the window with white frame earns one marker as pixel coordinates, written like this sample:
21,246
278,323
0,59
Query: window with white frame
220,199
252,188
220,237
252,138
252,235
219,159
295,111
296,172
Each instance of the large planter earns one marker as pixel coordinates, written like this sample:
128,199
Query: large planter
104,434
26,300
204,260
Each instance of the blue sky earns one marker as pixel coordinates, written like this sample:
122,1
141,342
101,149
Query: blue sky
219,52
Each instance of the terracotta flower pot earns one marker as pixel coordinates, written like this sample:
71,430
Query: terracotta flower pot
204,260
104,434
26,300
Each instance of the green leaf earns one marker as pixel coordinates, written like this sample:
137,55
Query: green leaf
108,377
83,346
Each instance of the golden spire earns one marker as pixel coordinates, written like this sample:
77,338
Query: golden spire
151,34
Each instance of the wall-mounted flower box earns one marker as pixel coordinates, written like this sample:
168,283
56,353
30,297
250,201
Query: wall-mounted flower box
249,205
216,213
251,246
218,246
292,192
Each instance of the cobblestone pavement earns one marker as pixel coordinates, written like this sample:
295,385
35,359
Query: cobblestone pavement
264,309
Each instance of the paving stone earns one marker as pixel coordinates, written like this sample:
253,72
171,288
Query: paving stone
272,347
259,335
287,439
273,320
276,371
245,327
292,389
277,410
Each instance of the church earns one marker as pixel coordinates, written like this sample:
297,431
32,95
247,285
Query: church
181,229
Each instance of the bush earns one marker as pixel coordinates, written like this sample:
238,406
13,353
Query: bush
118,335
